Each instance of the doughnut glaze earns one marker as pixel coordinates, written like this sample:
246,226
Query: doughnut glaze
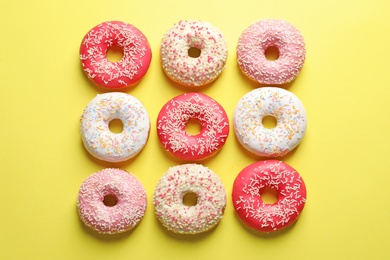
279,103
172,120
97,138
276,175
172,187
130,198
115,75
190,71
260,36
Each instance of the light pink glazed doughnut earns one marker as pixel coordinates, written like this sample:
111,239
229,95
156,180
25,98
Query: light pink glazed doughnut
175,184
115,75
260,36
276,175
172,120
210,53
123,212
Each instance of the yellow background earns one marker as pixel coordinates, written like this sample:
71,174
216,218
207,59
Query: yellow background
344,157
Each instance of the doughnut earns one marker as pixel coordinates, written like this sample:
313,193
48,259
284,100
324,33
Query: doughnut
276,175
175,184
172,120
115,75
97,138
257,38
279,103
207,61
123,212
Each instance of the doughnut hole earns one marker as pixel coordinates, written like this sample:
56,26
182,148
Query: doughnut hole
115,126
269,195
190,199
114,53
269,122
194,52
110,200
271,53
193,126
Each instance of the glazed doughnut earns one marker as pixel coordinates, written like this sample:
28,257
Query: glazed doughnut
123,213
260,36
279,103
113,75
193,70
172,120
175,184
96,135
276,175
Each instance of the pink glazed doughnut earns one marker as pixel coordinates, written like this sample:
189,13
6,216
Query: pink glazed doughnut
260,36
276,175
169,195
115,75
193,70
127,206
172,120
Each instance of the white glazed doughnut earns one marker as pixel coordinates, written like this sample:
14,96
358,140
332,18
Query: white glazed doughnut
95,132
190,71
279,103
257,38
175,184
119,215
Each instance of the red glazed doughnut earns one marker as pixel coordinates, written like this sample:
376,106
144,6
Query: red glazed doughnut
172,120
272,174
114,75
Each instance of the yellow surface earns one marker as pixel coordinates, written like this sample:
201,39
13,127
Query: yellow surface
343,158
